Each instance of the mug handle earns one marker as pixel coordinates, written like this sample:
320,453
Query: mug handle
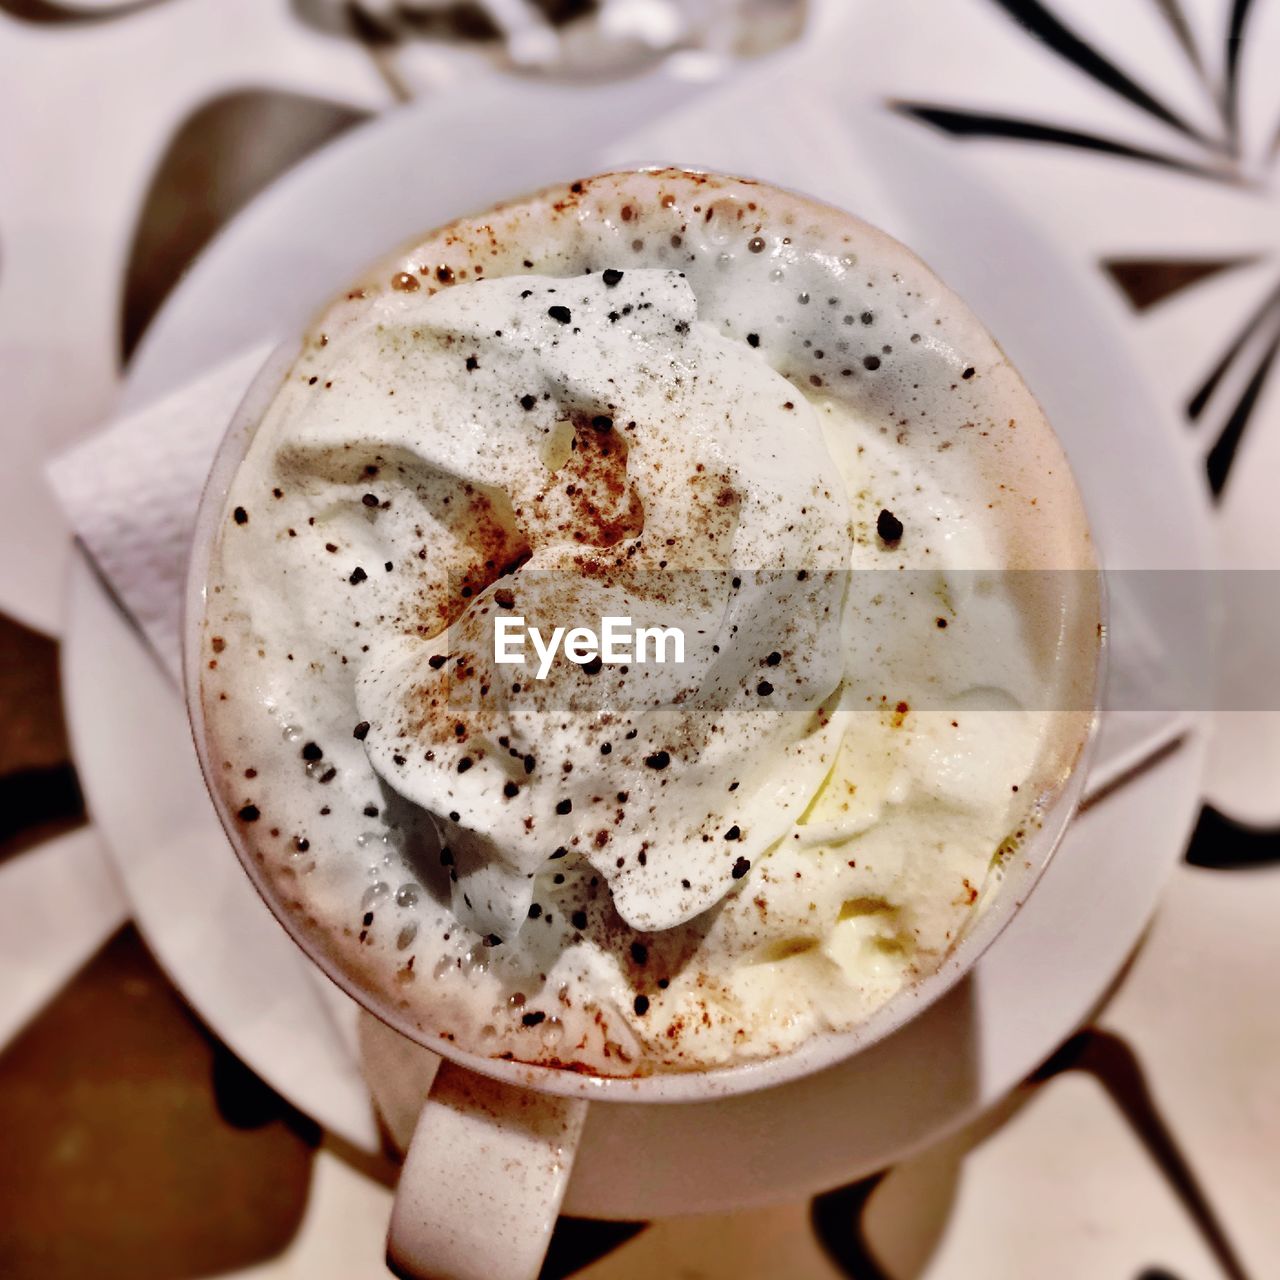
483,1180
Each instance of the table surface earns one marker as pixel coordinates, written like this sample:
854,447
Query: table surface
136,1145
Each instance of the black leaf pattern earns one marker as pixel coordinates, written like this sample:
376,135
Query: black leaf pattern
1196,405
1143,282
118,1061
1050,29
1181,29
1223,844
1231,81
1220,457
38,803
980,124
208,174
39,794
1148,281
49,13
1117,1068
578,1242
838,1222
839,1217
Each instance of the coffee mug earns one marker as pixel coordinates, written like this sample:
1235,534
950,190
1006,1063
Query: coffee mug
490,1159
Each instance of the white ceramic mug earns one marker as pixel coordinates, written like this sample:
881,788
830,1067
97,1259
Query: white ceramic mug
490,1158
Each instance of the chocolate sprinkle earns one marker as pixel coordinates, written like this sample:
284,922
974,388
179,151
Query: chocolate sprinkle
889,527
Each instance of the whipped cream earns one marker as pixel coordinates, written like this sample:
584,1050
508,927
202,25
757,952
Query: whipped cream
622,868
644,421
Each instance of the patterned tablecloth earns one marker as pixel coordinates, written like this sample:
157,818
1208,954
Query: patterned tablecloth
1145,134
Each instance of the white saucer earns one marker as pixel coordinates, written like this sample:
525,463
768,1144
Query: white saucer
311,232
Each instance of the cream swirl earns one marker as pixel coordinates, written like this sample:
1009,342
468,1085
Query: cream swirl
570,450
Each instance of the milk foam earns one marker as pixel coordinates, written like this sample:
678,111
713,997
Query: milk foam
665,867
